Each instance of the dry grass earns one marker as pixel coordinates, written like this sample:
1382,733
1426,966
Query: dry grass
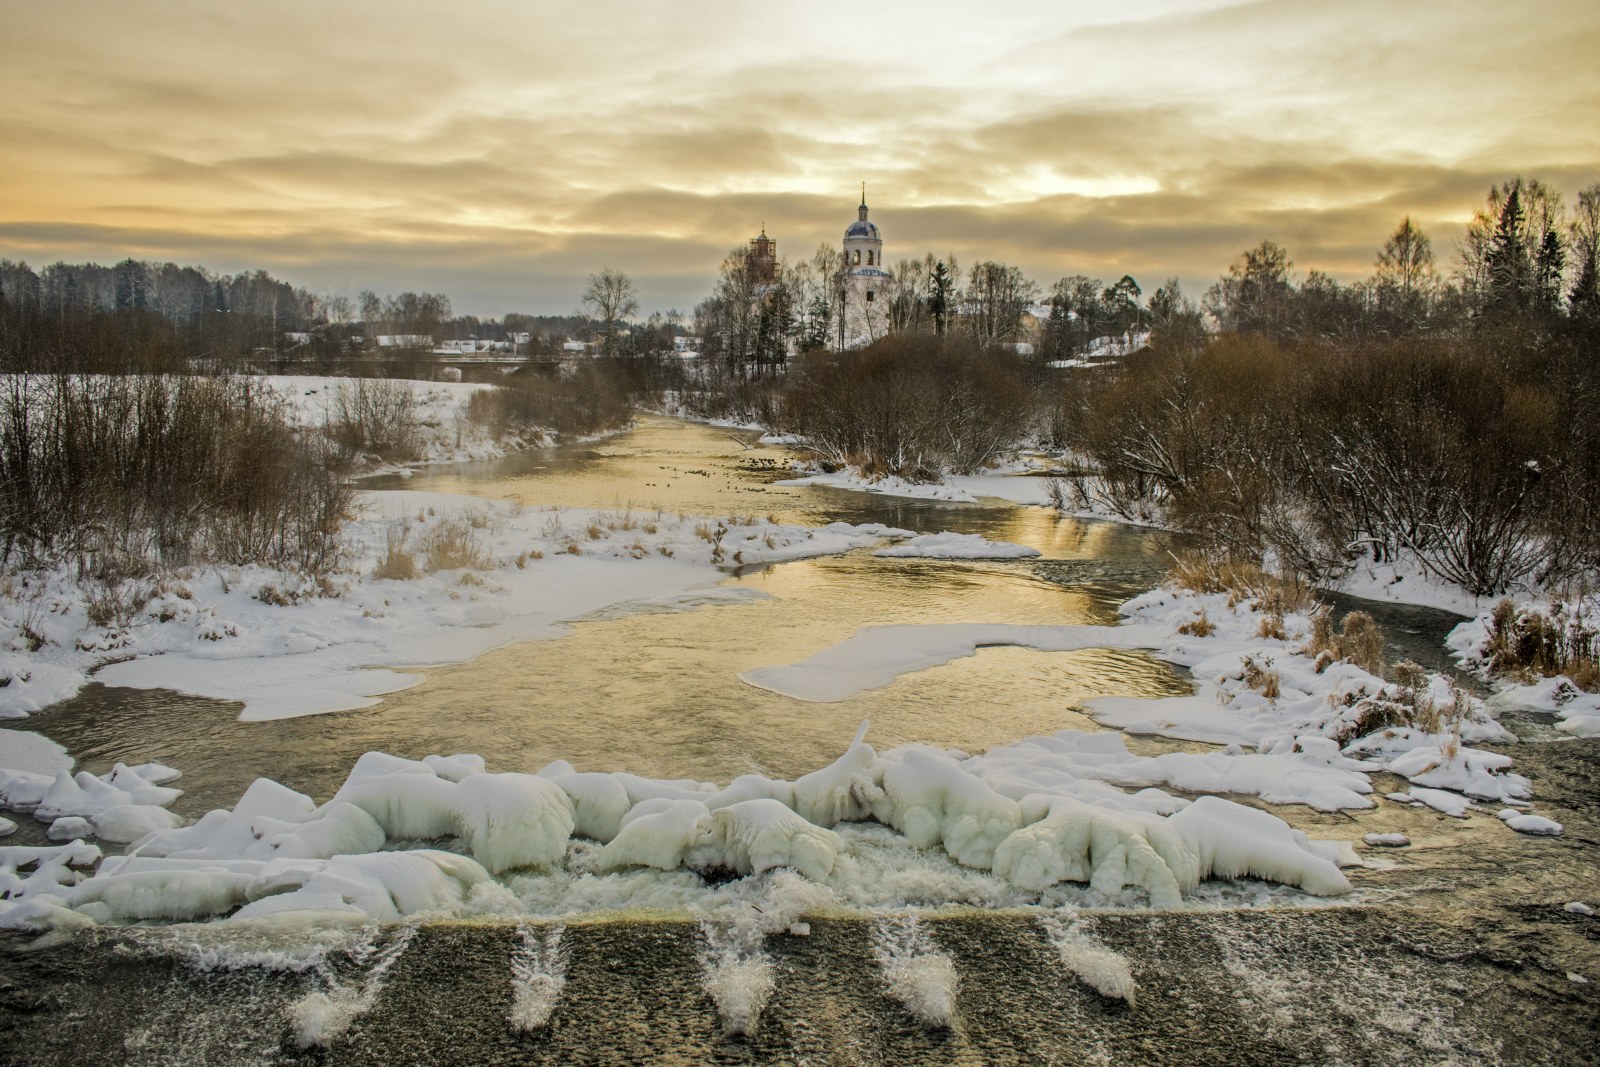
1359,641
1200,626
397,562
1262,677
1532,644
1243,580
449,544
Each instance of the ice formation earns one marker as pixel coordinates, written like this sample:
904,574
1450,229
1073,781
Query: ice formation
877,655
1069,816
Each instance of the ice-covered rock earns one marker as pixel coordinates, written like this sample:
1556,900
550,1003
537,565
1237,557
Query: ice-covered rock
757,835
1233,841
507,820
933,801
657,833
1075,842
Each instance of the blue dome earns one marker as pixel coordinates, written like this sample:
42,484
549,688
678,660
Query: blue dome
861,228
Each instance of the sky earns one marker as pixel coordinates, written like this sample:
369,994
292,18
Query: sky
502,150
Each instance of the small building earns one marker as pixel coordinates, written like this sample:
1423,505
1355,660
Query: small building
405,340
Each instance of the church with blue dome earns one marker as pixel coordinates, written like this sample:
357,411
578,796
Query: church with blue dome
866,282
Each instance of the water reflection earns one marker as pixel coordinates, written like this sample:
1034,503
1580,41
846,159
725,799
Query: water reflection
659,693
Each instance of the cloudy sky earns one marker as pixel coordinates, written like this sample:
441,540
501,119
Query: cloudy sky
500,150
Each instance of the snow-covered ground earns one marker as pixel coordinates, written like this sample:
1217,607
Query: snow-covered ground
1017,487
445,434
285,645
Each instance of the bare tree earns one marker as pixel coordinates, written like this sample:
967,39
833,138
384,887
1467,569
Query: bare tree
607,304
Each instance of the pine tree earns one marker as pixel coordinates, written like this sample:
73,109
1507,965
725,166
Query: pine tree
940,291
1510,271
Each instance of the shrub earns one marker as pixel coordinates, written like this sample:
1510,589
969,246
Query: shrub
910,405
376,415
593,397
1359,641
123,476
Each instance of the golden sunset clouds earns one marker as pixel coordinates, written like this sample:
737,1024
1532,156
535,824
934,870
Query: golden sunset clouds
501,151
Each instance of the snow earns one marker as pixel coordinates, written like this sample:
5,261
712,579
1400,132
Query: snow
286,647
369,853
1405,581
1577,907
955,489
445,434
1524,823
876,655
1386,840
949,545
1443,801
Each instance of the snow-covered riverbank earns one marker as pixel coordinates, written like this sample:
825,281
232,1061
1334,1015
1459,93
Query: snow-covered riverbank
443,430
486,574
1072,817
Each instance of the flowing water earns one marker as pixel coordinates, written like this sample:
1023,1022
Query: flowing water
1476,920
657,692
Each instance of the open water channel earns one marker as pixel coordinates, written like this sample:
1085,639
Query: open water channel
1457,951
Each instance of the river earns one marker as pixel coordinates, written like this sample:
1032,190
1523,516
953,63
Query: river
1445,950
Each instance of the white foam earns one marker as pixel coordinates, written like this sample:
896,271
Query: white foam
1086,956
321,1018
738,976
538,975
915,972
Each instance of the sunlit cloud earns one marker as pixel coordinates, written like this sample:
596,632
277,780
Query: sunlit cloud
502,151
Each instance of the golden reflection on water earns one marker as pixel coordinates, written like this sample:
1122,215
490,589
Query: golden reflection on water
659,694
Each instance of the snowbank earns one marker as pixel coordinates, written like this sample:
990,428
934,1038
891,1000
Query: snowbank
287,646
1578,711
955,489
949,545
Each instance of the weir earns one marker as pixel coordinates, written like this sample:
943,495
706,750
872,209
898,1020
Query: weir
1345,985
